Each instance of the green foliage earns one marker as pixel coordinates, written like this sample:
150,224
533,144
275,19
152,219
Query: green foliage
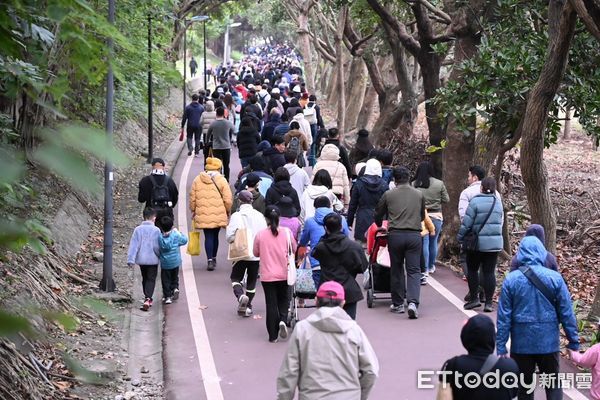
499,78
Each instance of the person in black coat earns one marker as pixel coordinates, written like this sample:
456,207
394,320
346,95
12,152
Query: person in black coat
274,156
366,193
247,141
282,187
360,152
341,260
147,191
268,129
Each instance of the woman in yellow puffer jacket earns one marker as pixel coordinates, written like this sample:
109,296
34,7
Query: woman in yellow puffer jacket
210,202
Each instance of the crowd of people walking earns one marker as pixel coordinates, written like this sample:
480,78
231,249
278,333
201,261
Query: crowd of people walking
279,214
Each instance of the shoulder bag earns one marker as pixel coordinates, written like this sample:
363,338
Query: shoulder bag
471,239
240,249
291,260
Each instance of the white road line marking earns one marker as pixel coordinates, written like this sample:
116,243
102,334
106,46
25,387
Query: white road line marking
572,393
212,382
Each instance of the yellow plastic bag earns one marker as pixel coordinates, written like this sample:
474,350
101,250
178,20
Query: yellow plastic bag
193,247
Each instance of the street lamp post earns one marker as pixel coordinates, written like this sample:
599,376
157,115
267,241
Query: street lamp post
204,40
227,47
150,123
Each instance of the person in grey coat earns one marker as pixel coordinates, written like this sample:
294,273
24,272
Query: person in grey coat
329,355
489,243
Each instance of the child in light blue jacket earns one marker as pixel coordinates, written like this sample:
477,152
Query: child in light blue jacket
170,258
143,251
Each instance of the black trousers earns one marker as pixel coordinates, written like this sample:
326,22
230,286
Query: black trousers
405,246
149,273
487,263
237,275
225,156
547,364
350,309
194,138
276,299
162,212
170,281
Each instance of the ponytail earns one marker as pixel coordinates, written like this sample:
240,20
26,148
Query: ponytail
272,216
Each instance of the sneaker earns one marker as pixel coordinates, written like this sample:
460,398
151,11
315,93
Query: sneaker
151,302
248,312
211,265
168,300
189,153
472,304
397,309
283,332
146,305
432,270
424,279
481,295
488,307
175,294
273,340
243,304
467,297
412,311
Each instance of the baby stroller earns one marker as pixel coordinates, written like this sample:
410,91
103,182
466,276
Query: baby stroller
303,289
377,280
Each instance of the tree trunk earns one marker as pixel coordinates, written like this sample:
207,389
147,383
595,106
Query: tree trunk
589,12
487,147
355,95
332,96
595,311
430,65
567,127
325,78
561,27
368,109
458,154
305,48
341,80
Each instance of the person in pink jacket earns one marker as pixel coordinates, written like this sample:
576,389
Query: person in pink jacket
590,359
272,246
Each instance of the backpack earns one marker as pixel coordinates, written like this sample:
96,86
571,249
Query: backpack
310,114
294,145
159,197
261,100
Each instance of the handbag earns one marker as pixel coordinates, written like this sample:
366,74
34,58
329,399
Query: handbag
471,238
304,279
193,247
383,257
181,136
291,267
239,249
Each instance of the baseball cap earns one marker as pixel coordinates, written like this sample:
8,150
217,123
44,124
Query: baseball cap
245,197
252,179
331,290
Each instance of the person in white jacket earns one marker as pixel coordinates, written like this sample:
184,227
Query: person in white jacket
298,176
321,186
304,125
253,221
329,160
329,356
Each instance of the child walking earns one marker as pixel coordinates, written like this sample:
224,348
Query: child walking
590,359
143,251
170,258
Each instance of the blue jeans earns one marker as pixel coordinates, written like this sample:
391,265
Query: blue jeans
316,273
430,245
312,157
211,242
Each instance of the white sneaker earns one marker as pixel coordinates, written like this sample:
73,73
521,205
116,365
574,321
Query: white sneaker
432,270
283,331
248,312
175,294
242,304
168,300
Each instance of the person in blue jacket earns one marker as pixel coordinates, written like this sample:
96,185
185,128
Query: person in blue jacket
490,242
170,259
314,229
532,321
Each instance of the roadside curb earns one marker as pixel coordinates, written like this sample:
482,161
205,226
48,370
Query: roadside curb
145,336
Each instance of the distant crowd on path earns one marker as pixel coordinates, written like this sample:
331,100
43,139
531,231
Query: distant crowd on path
277,211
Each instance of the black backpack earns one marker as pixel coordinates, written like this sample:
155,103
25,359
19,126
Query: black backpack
159,196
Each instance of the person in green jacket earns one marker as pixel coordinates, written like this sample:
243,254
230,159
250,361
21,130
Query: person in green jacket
435,194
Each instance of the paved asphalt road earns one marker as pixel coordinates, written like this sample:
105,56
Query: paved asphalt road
246,364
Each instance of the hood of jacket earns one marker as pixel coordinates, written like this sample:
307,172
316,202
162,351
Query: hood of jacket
195,104
295,133
372,182
315,191
292,168
537,231
271,151
298,117
478,335
531,252
320,214
331,319
373,167
335,242
284,188
330,152
205,177
275,119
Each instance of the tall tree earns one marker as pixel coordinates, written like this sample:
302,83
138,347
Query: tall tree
561,28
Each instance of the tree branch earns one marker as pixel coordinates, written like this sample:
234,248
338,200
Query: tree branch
442,16
412,45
